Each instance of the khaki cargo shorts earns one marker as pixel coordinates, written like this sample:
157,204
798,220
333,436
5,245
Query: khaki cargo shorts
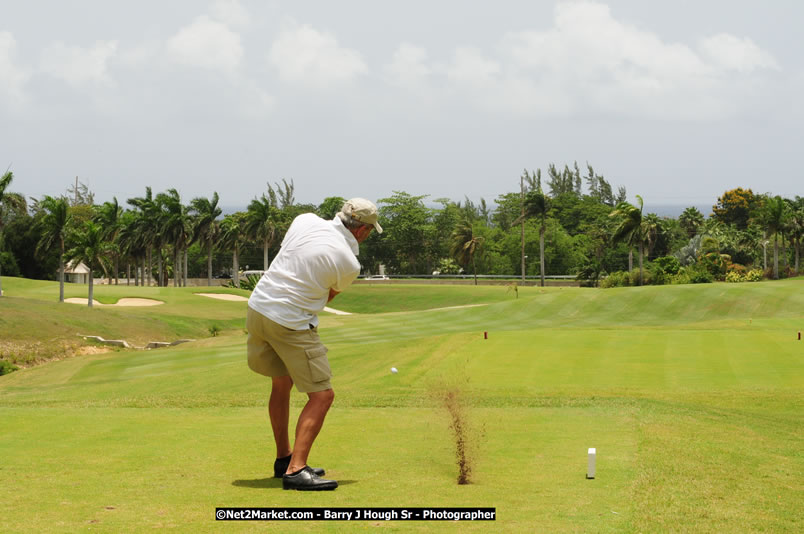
274,350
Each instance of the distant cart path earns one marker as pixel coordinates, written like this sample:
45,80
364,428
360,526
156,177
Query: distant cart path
226,296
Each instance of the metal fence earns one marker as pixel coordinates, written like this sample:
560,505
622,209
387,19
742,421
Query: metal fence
513,278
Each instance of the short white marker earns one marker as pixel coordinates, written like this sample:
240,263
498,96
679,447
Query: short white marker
590,471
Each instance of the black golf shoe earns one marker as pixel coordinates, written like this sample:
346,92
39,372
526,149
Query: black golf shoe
306,480
281,465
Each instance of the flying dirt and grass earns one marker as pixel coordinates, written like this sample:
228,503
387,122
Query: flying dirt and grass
692,395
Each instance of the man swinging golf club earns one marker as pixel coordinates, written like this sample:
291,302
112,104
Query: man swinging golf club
317,260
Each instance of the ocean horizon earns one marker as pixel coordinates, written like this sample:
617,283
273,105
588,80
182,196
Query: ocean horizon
662,210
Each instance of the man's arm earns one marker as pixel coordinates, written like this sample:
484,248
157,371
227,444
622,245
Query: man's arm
332,294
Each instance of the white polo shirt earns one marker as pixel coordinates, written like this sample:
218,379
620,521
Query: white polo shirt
315,255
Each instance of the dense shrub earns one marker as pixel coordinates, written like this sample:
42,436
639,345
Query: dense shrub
737,268
667,265
647,276
7,367
247,282
682,277
754,275
653,275
658,276
590,274
617,279
784,272
734,276
715,264
447,266
8,264
699,275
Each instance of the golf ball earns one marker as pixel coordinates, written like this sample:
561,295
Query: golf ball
394,370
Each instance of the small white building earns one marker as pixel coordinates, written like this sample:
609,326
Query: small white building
76,274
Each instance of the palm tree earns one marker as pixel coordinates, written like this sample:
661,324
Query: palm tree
465,245
651,231
537,204
797,227
148,232
774,216
108,216
206,227
232,237
175,227
691,220
630,229
261,222
8,200
284,200
129,242
53,230
91,248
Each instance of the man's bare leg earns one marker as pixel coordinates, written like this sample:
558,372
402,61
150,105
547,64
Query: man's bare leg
310,421
279,411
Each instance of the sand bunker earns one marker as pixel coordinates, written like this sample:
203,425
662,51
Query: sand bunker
121,302
222,296
336,312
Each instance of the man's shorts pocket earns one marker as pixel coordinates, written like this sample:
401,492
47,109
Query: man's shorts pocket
319,365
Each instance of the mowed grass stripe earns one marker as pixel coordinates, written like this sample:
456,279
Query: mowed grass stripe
526,362
627,307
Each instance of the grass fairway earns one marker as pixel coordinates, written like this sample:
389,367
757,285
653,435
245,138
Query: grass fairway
692,395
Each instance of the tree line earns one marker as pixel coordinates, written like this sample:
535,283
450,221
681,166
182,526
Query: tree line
574,223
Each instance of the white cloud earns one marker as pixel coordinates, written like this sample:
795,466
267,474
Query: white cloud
79,66
732,53
409,67
208,44
142,54
588,43
471,67
230,12
306,56
13,77
590,62
602,65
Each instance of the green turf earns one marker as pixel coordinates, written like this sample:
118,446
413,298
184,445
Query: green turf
692,396
387,297
36,326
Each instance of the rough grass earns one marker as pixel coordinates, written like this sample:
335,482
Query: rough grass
36,327
693,398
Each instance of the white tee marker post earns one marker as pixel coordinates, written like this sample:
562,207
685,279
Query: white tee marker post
590,470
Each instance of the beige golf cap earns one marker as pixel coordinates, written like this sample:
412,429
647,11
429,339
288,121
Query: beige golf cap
362,210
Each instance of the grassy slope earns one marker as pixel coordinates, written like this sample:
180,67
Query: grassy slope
692,395
383,298
36,326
